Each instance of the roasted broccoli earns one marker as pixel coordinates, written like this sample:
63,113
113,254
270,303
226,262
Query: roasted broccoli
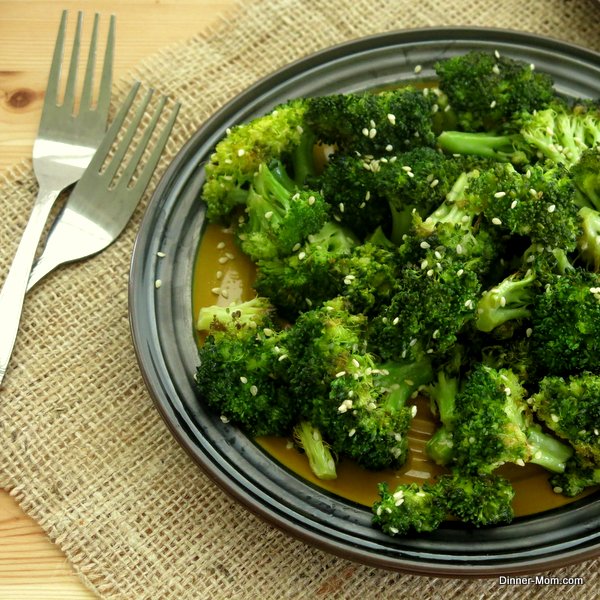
280,135
565,324
577,477
357,403
374,124
485,90
240,375
307,277
279,216
570,407
488,423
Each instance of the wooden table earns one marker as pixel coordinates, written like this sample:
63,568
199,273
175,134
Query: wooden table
31,566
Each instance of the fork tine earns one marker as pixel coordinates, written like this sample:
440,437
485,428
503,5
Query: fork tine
150,166
55,69
112,168
69,100
103,103
141,147
109,138
88,82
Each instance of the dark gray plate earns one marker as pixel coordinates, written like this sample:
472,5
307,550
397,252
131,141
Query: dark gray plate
162,326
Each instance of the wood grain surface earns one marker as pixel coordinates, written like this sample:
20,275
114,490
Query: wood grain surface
31,566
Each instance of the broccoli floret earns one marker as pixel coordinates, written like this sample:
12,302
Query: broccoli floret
494,425
356,402
279,215
577,477
368,273
410,507
563,131
565,323
570,407
306,278
309,439
435,295
282,134
366,194
509,300
586,177
240,376
538,204
485,90
374,123
477,499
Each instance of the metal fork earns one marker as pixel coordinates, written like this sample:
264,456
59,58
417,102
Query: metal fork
100,206
64,146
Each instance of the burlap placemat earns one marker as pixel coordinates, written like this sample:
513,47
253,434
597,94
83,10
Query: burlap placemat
82,447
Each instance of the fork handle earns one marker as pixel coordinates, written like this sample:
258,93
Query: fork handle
13,291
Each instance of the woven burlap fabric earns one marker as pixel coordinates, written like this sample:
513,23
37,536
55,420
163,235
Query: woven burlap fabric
83,449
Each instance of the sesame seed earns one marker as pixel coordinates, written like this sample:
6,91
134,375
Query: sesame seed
418,69
340,374
282,357
253,390
425,245
413,342
493,104
533,192
301,255
221,245
365,131
434,183
389,147
225,293
413,411
216,290
223,260
496,69
341,207
351,432
424,264
157,283
224,419
555,418
552,208
496,221
460,272
269,215
241,152
311,200
430,273
499,194
503,301
496,54
391,118
160,254
520,462
243,379
396,321
372,132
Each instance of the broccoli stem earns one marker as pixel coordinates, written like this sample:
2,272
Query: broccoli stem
303,158
403,380
497,147
547,451
321,462
440,446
